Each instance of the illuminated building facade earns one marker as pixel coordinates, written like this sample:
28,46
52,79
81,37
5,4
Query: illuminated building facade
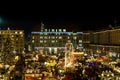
55,39
108,39
16,38
103,41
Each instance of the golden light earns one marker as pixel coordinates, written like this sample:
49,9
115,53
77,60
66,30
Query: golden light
1,65
16,57
16,32
7,66
20,32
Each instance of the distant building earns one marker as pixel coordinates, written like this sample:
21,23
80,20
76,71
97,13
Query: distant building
108,39
53,40
14,37
105,41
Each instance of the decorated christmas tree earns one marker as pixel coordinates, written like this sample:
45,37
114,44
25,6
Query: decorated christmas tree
7,55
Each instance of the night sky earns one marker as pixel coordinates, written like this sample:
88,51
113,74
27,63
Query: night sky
85,18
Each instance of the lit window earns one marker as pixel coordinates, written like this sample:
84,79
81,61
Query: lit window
41,41
33,37
45,37
68,37
49,37
45,41
80,41
33,41
53,41
16,39
49,30
80,44
56,30
60,30
12,35
64,30
20,32
53,37
74,34
45,30
21,35
53,30
56,41
69,41
16,32
75,37
41,37
60,37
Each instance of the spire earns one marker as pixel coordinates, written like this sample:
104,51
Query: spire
42,26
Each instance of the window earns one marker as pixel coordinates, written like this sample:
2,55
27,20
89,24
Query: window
75,37
45,30
53,37
12,35
33,41
45,37
64,30
45,41
74,34
41,41
53,41
41,37
49,30
21,36
33,37
16,32
69,41
80,44
60,30
16,39
53,30
80,41
49,37
20,32
60,37
56,30
56,40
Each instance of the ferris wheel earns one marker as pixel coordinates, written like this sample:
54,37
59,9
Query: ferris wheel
69,47
68,53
